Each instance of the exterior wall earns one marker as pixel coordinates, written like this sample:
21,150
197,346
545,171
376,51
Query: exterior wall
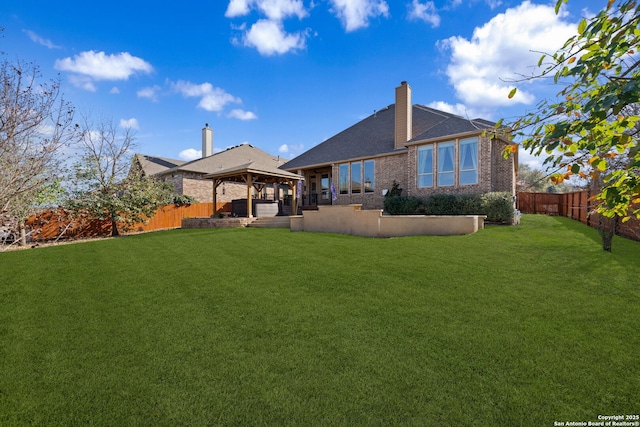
503,170
494,172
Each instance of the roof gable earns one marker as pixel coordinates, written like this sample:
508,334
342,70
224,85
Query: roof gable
375,134
153,165
230,158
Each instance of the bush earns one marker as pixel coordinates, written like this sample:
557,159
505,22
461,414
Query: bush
498,207
470,204
399,205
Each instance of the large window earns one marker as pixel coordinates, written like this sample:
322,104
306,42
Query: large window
369,177
357,177
457,163
446,166
425,166
469,161
343,170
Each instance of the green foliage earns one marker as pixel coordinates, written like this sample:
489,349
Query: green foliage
124,203
399,205
498,207
183,200
395,191
450,204
441,204
587,129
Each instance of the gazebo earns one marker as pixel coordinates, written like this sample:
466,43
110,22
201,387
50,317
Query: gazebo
254,175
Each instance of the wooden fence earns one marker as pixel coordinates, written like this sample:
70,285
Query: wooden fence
576,205
53,224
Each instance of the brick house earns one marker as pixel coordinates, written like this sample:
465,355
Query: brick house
198,177
424,150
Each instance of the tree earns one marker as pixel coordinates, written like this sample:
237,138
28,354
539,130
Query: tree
105,185
36,124
585,130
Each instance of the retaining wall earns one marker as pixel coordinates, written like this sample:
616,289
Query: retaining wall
353,220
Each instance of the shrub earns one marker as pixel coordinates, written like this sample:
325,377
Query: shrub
441,204
402,205
470,204
498,207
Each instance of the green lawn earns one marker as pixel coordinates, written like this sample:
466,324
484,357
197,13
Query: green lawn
511,326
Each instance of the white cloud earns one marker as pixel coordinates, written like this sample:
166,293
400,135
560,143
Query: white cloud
98,66
42,41
293,149
242,115
457,109
504,48
237,8
211,98
426,12
270,38
190,154
150,92
83,82
355,14
131,123
114,90
276,10
281,9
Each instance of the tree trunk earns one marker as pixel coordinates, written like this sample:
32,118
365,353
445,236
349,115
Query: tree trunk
23,234
607,229
114,228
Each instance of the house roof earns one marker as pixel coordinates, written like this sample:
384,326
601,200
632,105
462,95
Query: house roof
231,158
375,135
152,165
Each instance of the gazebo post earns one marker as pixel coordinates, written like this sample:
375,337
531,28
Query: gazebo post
216,184
249,195
294,201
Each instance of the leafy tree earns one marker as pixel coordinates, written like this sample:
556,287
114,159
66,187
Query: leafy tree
36,125
105,185
586,130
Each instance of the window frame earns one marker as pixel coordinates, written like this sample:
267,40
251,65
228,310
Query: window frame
440,161
422,174
461,152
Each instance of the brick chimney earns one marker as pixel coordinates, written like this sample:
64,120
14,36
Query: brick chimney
404,110
207,141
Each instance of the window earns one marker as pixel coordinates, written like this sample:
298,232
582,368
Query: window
425,166
362,178
469,161
343,171
369,176
356,177
446,166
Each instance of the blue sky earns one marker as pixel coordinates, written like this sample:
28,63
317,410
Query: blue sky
283,75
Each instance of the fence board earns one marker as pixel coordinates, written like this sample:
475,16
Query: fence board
576,205
53,224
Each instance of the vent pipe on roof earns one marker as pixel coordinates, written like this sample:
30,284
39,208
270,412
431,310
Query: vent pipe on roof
207,141
404,115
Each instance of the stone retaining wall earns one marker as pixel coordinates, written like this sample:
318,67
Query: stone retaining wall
216,222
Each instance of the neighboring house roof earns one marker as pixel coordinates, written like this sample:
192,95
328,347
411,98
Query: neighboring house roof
152,165
375,135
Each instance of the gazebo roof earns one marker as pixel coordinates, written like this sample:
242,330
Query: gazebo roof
260,172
